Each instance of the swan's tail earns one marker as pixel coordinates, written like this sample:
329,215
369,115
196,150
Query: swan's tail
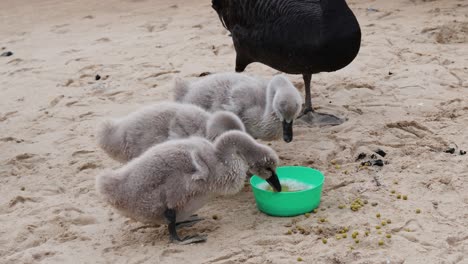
181,88
108,139
108,185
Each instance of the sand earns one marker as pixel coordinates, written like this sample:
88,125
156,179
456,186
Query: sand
406,93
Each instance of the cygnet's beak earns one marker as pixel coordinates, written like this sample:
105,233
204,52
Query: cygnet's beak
274,181
287,131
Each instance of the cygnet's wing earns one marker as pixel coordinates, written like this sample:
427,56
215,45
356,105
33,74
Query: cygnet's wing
188,121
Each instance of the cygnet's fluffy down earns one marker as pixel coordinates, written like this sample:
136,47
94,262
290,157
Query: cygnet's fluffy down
267,108
126,138
172,180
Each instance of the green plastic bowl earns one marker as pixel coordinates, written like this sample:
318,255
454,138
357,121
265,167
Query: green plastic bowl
290,203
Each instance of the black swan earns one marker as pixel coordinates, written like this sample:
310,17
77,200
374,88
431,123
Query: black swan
293,36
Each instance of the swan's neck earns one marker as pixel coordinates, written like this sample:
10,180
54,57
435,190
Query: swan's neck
232,167
268,123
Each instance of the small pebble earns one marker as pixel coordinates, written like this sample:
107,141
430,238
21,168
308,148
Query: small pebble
389,221
6,54
22,188
381,153
395,182
215,217
374,204
361,156
450,150
393,191
378,162
462,152
418,211
98,77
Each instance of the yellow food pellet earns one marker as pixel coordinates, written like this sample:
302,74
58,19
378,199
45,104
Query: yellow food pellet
384,223
346,172
351,248
389,236
405,197
395,182
341,206
307,215
299,259
356,241
315,211
378,215
355,234
398,196
345,235
367,233
379,232
418,211
393,191
337,167
346,229
324,240
322,220
389,221
381,243
377,227
289,232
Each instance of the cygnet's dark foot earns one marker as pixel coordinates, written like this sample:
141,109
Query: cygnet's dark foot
190,240
313,118
189,222
170,215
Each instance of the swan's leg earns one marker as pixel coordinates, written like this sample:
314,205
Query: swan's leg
170,215
311,117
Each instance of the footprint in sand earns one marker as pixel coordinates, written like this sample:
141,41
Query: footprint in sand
7,115
42,255
60,29
103,40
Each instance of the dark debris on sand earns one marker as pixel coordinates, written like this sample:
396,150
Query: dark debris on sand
6,54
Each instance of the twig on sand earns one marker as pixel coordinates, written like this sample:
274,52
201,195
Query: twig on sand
376,180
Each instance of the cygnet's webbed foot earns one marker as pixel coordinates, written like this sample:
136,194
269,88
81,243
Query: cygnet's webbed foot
190,240
170,215
313,118
189,222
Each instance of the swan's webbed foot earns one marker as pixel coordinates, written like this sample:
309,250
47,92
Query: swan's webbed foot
313,118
